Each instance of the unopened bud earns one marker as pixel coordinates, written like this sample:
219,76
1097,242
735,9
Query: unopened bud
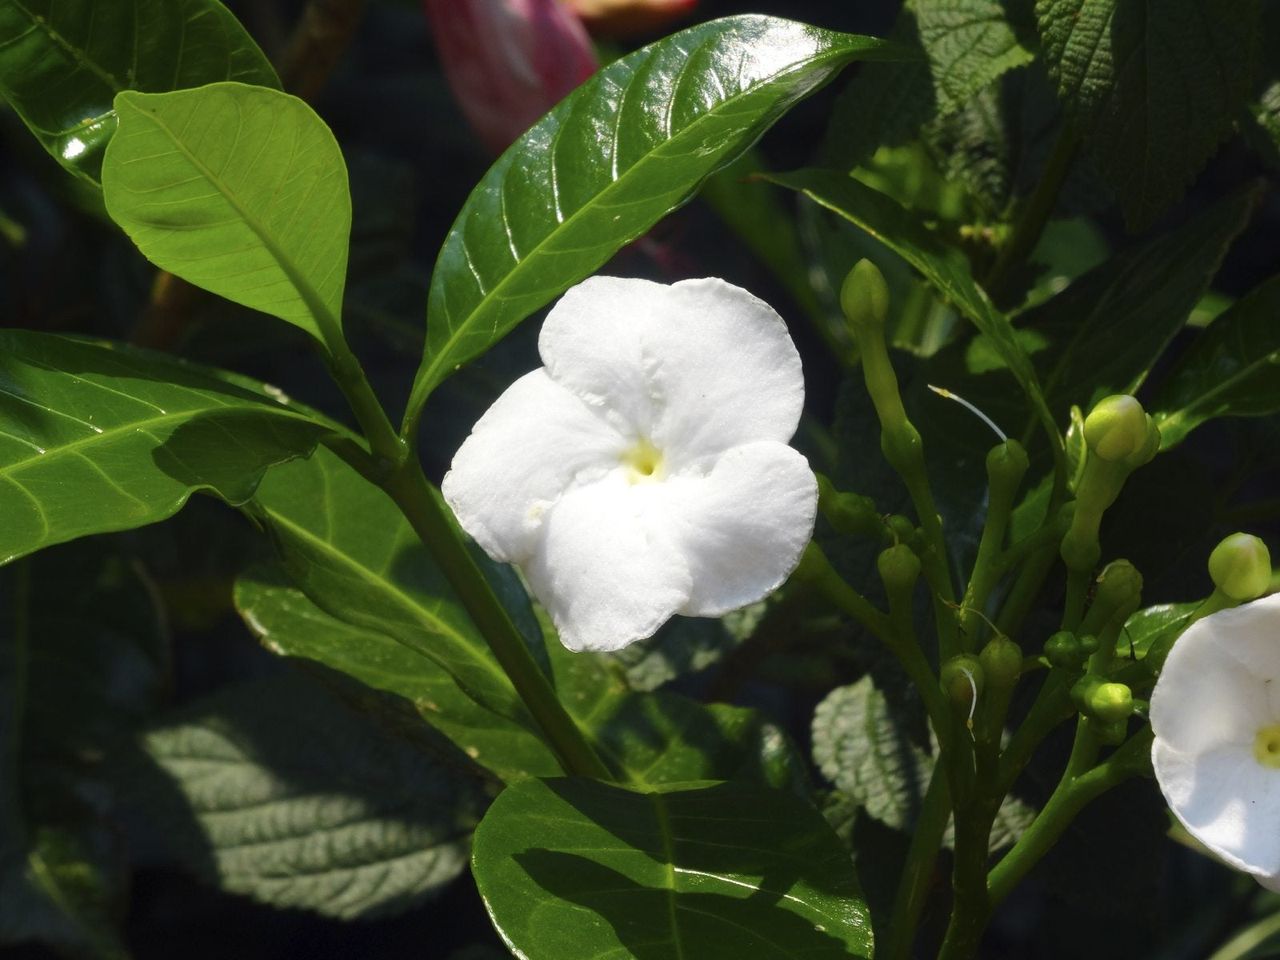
1063,650
899,568
962,681
1001,661
1240,566
1117,428
901,527
1110,702
1006,466
864,296
1119,591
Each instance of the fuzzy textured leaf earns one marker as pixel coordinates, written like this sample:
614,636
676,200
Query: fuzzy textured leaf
1232,370
582,869
97,437
63,61
1153,84
240,190
627,147
273,790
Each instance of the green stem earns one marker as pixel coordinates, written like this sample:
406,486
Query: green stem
1034,216
1050,708
426,511
917,871
1072,794
1244,943
1025,589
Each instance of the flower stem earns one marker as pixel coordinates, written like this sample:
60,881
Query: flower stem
426,511
1072,794
917,871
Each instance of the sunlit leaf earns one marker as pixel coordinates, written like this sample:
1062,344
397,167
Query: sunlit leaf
63,61
624,149
97,437
578,868
237,189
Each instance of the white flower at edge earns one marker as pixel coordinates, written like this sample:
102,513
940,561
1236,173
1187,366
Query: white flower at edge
1215,713
644,470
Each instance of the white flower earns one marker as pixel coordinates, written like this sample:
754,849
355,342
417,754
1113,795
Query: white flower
1215,713
644,470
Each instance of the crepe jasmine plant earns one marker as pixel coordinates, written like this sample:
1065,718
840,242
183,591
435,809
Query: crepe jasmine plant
643,471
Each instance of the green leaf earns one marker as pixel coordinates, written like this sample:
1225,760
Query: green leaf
272,790
1113,323
627,147
655,738
97,437
943,266
1232,370
581,869
237,189
1153,85
969,44
78,668
290,624
1152,631
63,61
861,744
347,546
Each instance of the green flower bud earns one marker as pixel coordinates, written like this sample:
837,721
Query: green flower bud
1063,650
1150,447
1116,428
1089,645
901,527
1240,566
962,679
1119,592
1006,466
1001,661
1111,732
1110,702
1082,691
849,513
864,296
899,568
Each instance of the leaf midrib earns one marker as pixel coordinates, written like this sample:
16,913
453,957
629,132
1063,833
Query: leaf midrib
432,370
394,592
76,52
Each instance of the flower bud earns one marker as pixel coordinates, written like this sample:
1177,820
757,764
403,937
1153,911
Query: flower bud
1082,691
509,63
1001,661
1116,428
1119,593
961,680
1112,732
864,296
1240,566
1063,650
1110,702
901,527
1006,466
1089,644
899,568
849,513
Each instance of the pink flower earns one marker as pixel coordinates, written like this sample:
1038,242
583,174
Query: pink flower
509,61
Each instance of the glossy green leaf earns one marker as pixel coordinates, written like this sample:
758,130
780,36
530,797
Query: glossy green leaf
1113,323
585,870
1232,370
652,739
290,624
943,266
1152,631
274,790
97,437
1154,85
63,61
237,189
628,146
346,545
78,668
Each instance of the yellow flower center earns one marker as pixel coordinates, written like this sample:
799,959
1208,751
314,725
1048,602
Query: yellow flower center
1266,746
643,462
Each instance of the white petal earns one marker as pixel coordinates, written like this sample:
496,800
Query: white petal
1226,800
536,442
1251,634
1205,697
743,526
607,568
697,367
1271,882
